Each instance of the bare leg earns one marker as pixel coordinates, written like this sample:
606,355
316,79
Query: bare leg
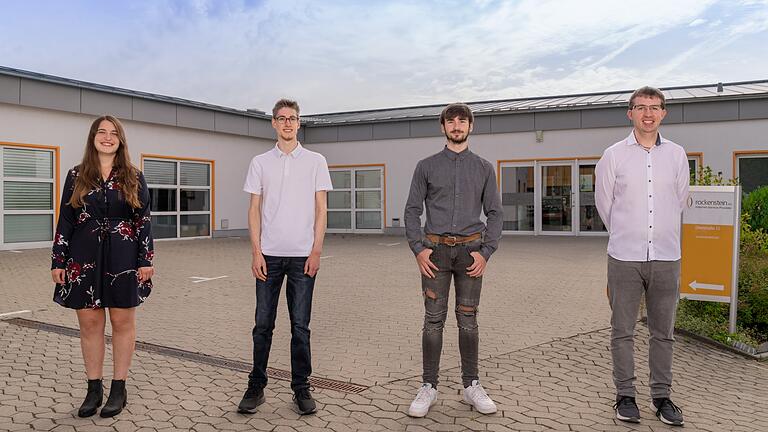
92,323
123,339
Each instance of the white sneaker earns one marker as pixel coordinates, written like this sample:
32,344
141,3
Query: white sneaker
425,398
476,396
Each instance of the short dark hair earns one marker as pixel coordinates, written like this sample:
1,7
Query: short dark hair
454,110
285,103
650,92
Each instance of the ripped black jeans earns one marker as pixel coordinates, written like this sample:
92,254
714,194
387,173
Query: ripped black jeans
452,262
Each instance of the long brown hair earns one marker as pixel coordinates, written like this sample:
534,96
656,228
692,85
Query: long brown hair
89,176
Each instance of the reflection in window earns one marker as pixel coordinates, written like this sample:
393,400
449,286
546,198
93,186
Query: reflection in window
162,200
589,219
753,173
517,198
195,225
195,200
339,220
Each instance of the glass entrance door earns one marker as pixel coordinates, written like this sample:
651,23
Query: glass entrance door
556,215
554,197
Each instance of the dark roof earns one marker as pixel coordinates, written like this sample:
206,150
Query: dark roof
707,92
697,93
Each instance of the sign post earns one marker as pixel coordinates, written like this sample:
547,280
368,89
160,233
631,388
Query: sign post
710,246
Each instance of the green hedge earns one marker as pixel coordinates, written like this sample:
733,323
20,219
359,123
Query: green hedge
756,205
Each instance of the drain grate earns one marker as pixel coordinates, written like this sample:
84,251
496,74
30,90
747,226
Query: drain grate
235,365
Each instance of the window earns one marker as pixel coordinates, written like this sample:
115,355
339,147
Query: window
180,194
752,171
693,168
356,202
517,197
26,195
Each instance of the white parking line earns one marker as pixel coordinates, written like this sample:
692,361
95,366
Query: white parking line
205,279
328,256
389,244
8,314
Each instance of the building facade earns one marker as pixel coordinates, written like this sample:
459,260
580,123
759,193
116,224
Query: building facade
195,156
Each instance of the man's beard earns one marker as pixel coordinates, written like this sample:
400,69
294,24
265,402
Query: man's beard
458,141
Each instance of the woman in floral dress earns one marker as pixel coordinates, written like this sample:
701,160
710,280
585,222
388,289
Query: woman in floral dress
102,257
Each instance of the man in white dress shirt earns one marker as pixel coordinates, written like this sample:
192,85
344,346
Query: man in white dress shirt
641,188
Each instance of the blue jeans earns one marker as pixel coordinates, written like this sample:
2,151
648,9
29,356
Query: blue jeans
299,295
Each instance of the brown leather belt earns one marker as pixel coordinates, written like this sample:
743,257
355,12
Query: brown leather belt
452,240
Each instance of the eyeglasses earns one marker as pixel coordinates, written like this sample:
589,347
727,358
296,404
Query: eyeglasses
651,108
284,119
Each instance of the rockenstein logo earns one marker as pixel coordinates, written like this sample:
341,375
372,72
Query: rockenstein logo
711,203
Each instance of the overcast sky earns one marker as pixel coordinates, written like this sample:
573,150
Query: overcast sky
352,55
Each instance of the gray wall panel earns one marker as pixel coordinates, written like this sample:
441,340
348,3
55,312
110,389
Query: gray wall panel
195,118
400,129
425,128
711,111
299,136
557,120
154,112
262,128
52,96
10,89
482,125
511,123
231,123
604,117
98,103
753,109
321,134
356,132
674,114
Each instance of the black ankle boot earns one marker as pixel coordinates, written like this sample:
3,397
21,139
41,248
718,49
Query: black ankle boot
93,399
116,400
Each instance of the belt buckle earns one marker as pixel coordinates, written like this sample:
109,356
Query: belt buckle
450,241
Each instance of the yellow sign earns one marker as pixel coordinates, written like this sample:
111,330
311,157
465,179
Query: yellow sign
707,262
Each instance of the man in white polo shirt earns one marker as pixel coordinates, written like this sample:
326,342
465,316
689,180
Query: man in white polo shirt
287,217
641,188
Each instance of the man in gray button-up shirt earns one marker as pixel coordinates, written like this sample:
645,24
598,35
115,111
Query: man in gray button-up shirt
456,185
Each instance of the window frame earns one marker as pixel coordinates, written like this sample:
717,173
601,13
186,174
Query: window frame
55,190
178,187
746,154
352,189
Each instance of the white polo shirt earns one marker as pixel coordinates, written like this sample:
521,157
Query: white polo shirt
640,196
287,184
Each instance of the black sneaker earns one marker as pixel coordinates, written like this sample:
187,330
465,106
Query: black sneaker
253,397
626,409
304,401
668,412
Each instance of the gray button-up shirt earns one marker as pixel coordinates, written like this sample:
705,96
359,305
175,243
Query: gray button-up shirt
456,187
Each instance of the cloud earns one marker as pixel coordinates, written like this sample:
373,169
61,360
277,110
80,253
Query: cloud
697,22
346,55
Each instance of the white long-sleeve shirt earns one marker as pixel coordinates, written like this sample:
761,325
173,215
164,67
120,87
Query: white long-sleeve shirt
640,196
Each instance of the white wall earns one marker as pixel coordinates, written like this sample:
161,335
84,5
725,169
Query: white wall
717,141
231,153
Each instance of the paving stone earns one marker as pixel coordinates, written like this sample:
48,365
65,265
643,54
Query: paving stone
551,372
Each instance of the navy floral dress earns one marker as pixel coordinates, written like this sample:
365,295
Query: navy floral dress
101,245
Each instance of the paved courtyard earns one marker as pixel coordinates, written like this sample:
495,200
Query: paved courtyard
544,347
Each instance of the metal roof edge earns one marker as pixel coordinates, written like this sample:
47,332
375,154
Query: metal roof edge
37,76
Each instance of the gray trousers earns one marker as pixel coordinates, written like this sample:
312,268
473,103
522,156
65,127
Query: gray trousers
452,263
627,281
